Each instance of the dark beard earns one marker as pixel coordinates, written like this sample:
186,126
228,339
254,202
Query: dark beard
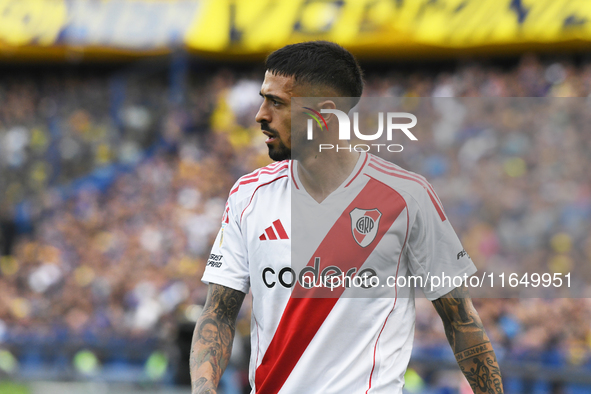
279,153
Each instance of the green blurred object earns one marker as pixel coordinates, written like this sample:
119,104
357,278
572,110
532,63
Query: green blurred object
413,381
13,388
86,362
515,167
8,363
156,365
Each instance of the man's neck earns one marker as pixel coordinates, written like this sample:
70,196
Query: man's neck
322,174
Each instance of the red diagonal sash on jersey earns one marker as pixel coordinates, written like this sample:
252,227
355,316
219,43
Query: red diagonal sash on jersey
303,316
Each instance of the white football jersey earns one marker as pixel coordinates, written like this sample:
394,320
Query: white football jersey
382,218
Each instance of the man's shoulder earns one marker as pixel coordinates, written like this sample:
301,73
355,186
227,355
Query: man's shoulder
395,176
249,183
405,182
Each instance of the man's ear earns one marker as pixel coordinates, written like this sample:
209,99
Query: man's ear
327,104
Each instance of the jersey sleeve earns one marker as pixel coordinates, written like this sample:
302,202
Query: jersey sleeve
434,250
227,264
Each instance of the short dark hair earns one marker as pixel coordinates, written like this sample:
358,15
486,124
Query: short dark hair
319,63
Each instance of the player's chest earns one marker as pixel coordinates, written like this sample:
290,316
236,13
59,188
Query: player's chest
284,234
266,227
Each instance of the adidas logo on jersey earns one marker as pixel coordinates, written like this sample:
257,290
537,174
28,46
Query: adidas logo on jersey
276,231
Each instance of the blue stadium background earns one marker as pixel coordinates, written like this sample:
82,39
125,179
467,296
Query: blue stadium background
113,178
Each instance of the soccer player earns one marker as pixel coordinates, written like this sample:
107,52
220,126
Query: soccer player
335,344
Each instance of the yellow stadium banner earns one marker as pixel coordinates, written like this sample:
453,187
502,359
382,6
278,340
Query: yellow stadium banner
390,27
24,22
387,28
73,27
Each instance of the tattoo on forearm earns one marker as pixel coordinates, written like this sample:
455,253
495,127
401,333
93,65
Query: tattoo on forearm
484,376
469,342
474,351
212,339
462,324
198,385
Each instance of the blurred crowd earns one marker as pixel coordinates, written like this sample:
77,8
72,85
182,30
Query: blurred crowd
124,258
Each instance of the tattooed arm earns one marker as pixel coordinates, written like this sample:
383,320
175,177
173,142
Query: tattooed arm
469,342
213,337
